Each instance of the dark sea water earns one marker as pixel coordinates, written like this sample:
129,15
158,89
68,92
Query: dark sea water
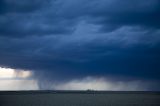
79,98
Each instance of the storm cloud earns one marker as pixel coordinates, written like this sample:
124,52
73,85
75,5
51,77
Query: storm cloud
71,39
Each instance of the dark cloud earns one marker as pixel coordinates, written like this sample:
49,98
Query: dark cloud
114,14
95,58
78,38
20,6
26,18
31,18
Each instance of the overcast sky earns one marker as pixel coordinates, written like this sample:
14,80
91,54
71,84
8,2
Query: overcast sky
84,42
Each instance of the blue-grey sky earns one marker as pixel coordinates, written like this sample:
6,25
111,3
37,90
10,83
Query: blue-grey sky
66,40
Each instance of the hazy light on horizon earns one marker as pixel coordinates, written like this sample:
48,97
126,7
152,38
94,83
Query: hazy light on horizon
12,73
12,79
